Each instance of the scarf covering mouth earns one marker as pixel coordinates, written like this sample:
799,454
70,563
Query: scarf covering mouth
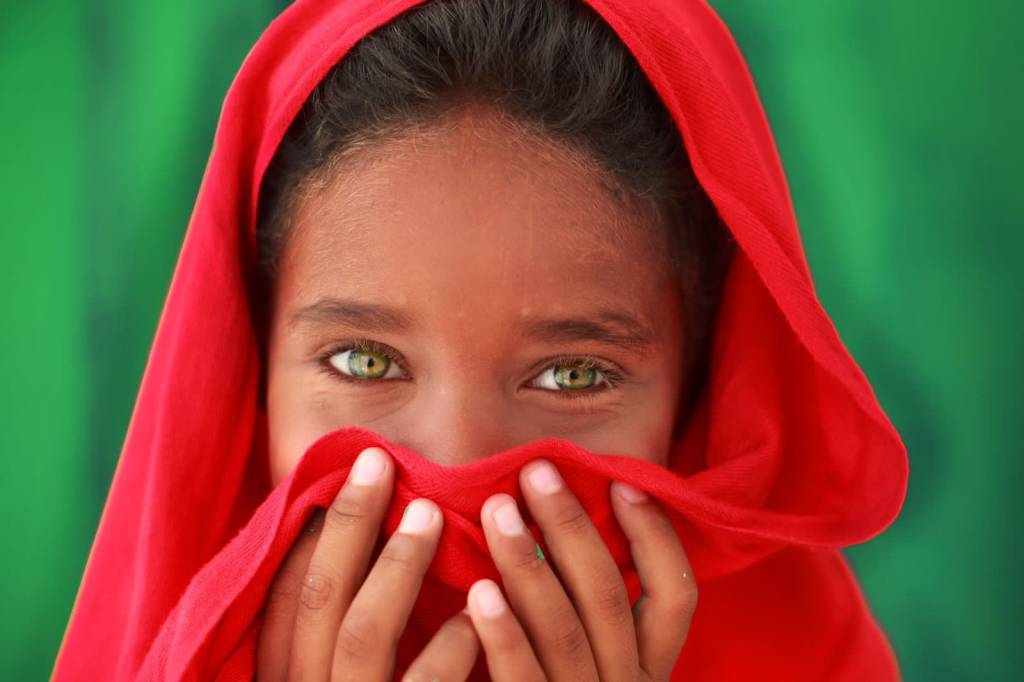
787,458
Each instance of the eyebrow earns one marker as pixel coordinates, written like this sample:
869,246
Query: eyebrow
613,328
369,316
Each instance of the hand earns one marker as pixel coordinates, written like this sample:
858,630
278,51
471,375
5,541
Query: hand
578,625
324,621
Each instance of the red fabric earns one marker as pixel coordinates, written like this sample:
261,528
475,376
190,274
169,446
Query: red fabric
788,457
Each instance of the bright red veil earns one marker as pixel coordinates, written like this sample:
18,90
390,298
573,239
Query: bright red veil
796,457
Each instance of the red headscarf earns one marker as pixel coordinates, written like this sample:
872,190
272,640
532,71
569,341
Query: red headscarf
787,458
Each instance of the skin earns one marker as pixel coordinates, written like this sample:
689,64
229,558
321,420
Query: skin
495,269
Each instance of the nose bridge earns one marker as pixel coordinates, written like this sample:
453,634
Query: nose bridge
457,423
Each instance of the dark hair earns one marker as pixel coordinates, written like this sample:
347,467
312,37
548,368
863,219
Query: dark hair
555,68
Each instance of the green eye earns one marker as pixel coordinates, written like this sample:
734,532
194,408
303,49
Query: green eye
368,365
364,363
575,374
574,377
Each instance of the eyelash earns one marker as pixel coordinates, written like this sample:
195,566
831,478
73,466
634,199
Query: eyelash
611,377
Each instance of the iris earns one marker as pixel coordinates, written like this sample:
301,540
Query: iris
574,377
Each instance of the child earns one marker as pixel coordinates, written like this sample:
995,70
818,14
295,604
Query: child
473,243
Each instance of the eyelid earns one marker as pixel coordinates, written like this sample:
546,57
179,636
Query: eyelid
393,355
611,373
612,376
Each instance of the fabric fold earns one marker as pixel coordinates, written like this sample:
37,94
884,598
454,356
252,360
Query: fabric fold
787,457
211,633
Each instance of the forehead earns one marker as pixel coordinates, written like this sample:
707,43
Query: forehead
477,207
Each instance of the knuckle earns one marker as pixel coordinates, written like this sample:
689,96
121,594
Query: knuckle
660,523
348,509
504,643
460,627
572,640
683,604
570,519
281,597
315,592
566,632
612,601
358,638
284,589
529,563
457,633
402,553
504,639
435,662
693,594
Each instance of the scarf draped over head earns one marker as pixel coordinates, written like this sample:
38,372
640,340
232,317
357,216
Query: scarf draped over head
787,458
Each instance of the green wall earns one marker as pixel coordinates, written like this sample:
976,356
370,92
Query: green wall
897,123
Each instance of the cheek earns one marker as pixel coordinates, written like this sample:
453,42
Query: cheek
438,420
298,414
296,420
647,424
644,431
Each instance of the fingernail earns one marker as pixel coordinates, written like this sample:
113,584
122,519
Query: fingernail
629,493
488,598
417,517
544,478
507,519
369,467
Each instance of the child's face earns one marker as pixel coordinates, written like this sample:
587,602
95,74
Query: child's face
488,266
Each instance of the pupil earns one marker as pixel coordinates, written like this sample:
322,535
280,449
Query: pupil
569,376
369,362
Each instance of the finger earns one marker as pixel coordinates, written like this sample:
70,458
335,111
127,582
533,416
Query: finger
338,564
449,655
669,596
538,599
508,651
282,601
586,569
370,630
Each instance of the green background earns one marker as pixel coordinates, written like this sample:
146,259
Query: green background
898,123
